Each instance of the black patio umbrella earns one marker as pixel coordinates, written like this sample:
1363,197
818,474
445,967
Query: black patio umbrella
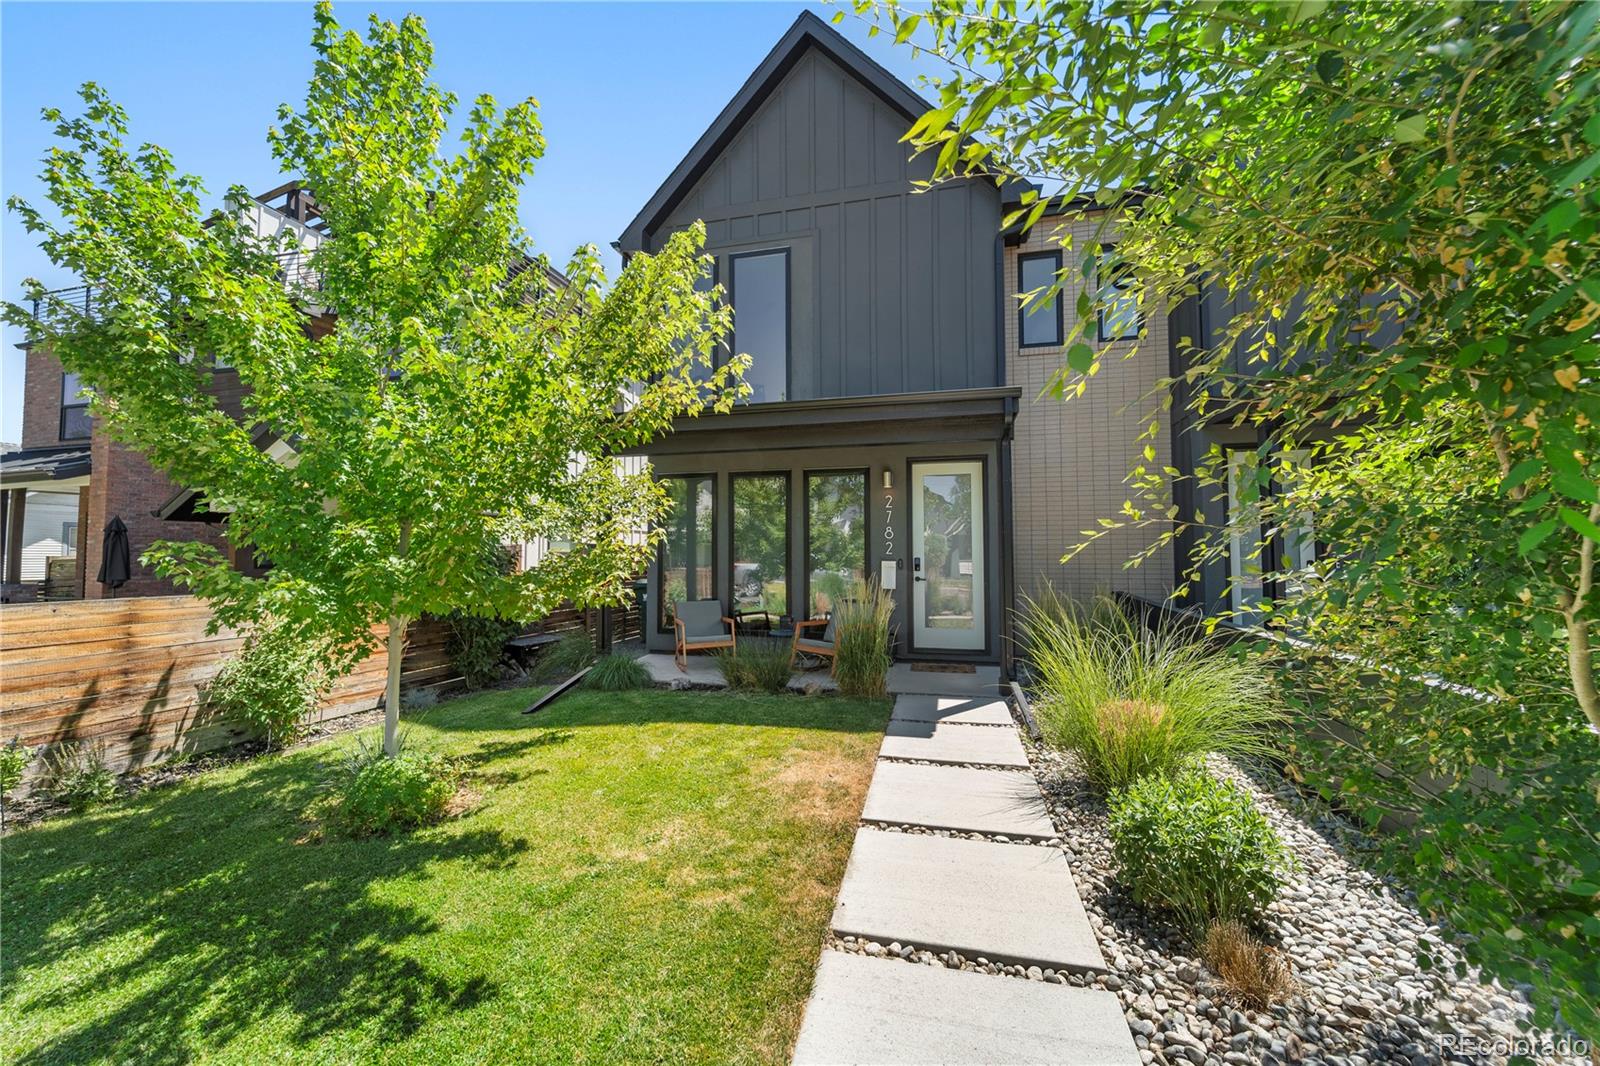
114,564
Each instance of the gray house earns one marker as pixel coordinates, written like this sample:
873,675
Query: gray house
895,427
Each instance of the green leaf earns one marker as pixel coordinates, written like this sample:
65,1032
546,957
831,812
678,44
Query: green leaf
1536,535
1580,524
1579,173
1411,129
1520,473
1329,66
1080,357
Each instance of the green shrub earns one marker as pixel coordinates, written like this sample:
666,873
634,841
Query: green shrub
476,646
1198,847
271,686
79,777
862,639
758,664
377,794
14,759
617,673
1132,702
572,653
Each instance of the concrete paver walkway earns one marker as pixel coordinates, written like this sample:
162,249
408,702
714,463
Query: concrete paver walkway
1012,903
877,1011
1000,802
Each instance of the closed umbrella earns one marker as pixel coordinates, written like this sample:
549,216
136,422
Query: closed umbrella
114,565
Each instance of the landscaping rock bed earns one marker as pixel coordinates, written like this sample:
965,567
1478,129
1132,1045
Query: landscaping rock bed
1351,937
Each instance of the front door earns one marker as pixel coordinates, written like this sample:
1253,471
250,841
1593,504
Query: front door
947,564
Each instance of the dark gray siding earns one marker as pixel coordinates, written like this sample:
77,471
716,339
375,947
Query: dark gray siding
891,291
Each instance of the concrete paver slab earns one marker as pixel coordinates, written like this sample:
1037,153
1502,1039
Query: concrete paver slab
865,1010
952,709
953,744
1012,903
957,797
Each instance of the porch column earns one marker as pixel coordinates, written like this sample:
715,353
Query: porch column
16,506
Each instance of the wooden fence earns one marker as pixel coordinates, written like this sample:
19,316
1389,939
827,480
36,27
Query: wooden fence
129,675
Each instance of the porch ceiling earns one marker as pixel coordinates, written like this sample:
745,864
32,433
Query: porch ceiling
56,468
952,414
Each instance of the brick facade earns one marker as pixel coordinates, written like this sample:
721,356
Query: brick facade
41,400
1071,458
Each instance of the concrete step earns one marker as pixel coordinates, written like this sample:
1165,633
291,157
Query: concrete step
957,797
953,744
1009,903
951,709
983,681
865,1010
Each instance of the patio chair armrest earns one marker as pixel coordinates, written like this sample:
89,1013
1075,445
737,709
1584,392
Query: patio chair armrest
810,623
730,621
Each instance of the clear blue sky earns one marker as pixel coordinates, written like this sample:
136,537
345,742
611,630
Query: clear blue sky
624,89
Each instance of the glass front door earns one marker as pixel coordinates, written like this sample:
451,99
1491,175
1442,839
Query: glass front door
947,566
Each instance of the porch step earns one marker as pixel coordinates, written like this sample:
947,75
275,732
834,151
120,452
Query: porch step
983,681
1009,903
953,744
970,800
865,1010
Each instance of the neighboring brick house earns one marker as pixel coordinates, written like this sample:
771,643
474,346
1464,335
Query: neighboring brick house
68,479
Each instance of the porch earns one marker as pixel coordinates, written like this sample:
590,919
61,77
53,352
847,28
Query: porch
43,499
777,509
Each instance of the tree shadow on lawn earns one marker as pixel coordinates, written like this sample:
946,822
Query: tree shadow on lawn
500,711
196,915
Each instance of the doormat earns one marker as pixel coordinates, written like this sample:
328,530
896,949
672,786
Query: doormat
944,668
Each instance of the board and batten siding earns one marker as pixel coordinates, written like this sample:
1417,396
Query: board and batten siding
891,290
1071,458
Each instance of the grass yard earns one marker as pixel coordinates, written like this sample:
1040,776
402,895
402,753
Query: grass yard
646,879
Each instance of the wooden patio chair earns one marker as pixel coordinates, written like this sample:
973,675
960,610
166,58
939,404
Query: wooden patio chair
821,646
700,625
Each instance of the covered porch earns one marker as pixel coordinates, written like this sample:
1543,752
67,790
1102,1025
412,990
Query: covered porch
44,496
777,509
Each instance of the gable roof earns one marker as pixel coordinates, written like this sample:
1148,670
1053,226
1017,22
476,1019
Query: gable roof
807,32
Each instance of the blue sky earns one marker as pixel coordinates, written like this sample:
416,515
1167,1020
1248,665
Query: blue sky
624,90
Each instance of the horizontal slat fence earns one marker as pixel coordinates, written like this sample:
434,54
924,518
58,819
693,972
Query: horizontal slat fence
128,674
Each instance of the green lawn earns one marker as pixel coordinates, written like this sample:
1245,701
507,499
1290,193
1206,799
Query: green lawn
647,879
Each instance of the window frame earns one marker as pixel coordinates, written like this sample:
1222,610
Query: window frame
76,405
1264,562
1023,313
731,345
788,531
661,549
866,523
1100,302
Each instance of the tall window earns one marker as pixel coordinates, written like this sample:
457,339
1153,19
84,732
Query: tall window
1245,547
1119,298
687,563
75,421
1039,321
759,291
760,577
836,537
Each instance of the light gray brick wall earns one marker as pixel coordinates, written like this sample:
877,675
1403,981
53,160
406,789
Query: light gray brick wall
1072,457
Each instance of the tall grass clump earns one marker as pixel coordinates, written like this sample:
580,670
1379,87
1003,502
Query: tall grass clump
617,673
1130,701
758,664
862,640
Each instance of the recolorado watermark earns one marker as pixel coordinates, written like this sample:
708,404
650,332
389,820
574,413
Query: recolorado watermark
1504,1047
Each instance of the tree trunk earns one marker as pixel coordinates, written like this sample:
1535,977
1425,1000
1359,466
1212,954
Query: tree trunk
391,699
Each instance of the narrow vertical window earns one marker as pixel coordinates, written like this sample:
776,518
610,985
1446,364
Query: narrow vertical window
75,421
760,577
1119,298
686,562
759,291
1245,547
836,537
1039,322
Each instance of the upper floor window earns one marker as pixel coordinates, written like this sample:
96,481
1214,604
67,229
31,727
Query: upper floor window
758,288
1039,320
75,421
1119,298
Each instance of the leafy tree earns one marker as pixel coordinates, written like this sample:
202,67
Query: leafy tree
1394,206
466,398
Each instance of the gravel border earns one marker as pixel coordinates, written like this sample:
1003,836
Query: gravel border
1350,935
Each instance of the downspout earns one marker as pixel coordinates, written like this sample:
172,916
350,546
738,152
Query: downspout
1008,579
